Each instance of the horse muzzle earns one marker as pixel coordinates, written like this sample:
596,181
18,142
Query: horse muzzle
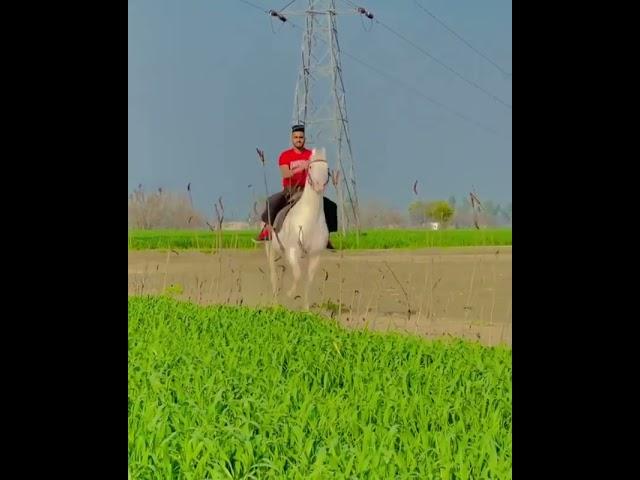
318,188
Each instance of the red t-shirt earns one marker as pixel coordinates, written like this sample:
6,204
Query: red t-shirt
292,158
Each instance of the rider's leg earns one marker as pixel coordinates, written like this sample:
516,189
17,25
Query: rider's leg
331,217
275,203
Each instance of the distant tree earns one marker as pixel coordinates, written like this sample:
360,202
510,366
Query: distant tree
418,212
374,214
440,211
162,209
506,212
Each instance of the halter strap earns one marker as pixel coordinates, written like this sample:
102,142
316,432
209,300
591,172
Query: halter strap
310,180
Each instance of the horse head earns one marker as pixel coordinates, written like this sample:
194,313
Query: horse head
318,175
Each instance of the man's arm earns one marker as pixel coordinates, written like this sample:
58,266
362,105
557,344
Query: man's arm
288,172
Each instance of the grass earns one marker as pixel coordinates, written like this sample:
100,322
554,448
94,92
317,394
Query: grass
372,239
228,392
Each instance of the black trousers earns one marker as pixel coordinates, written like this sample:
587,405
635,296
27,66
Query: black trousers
278,201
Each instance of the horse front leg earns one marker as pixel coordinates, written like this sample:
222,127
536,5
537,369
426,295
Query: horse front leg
294,261
314,261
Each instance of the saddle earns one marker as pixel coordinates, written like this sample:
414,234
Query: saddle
279,220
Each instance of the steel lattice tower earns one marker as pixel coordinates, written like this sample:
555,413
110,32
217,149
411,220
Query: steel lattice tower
320,104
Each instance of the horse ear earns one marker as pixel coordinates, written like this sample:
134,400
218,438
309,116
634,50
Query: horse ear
313,153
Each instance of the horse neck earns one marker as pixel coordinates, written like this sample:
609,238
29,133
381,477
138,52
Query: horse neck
310,197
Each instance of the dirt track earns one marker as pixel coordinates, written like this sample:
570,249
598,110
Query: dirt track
463,292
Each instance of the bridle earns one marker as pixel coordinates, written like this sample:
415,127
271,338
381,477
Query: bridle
310,180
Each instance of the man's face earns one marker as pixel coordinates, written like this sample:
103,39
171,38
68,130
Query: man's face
297,138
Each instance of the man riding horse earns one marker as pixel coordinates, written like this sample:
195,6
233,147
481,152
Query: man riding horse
294,164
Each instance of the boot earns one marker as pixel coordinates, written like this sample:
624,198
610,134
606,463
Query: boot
264,234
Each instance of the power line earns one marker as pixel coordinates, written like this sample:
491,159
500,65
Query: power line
421,94
286,6
413,44
412,88
419,5
430,55
351,3
426,52
254,6
426,97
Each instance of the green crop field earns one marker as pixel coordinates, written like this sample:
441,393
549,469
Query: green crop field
232,392
372,239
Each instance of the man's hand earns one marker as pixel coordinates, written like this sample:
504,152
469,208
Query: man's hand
304,165
290,172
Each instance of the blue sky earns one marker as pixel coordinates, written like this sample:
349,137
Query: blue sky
209,81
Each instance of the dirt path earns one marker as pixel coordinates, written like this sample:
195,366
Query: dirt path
458,291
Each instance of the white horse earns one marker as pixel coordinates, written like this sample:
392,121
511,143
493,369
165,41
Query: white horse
304,233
